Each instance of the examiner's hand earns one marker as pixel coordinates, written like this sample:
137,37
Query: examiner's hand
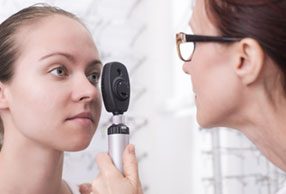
111,181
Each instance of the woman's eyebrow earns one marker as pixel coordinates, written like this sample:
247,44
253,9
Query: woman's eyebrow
68,56
95,62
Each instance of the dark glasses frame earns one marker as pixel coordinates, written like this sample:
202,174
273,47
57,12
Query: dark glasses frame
184,38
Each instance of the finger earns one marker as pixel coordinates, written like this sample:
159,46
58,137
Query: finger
85,188
98,186
130,164
106,166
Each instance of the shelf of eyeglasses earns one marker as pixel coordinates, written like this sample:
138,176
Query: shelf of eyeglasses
232,150
226,137
259,178
239,156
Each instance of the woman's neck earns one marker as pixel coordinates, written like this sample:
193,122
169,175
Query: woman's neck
264,123
29,168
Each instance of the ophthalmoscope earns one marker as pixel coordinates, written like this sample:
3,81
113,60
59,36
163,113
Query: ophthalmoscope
115,87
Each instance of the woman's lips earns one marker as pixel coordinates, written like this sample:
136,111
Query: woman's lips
84,118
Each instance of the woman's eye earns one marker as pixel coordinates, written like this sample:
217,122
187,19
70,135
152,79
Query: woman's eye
59,71
94,78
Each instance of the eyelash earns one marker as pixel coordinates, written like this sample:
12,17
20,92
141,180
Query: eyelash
61,68
89,77
64,70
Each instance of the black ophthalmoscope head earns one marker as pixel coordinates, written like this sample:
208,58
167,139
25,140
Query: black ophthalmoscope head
115,87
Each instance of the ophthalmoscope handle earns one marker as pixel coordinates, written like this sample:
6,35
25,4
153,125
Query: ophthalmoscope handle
118,139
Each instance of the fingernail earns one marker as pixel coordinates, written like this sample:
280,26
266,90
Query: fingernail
131,149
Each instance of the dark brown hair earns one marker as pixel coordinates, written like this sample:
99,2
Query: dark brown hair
9,49
262,20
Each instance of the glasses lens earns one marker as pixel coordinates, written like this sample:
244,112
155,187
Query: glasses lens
186,50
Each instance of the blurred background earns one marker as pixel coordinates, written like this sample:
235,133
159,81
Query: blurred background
175,155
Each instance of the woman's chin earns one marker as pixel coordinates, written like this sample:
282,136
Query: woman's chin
205,126
77,147
206,123
79,144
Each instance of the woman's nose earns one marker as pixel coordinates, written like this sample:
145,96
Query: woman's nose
186,67
84,90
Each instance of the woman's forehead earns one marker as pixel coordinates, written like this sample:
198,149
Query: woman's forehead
53,34
50,28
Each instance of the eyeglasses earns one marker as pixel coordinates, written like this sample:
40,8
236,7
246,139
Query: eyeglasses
186,43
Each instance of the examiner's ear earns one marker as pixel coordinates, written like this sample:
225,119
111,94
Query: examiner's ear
250,61
3,98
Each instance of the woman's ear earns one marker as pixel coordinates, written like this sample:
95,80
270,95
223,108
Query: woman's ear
251,58
3,96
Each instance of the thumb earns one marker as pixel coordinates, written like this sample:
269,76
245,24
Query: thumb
130,164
